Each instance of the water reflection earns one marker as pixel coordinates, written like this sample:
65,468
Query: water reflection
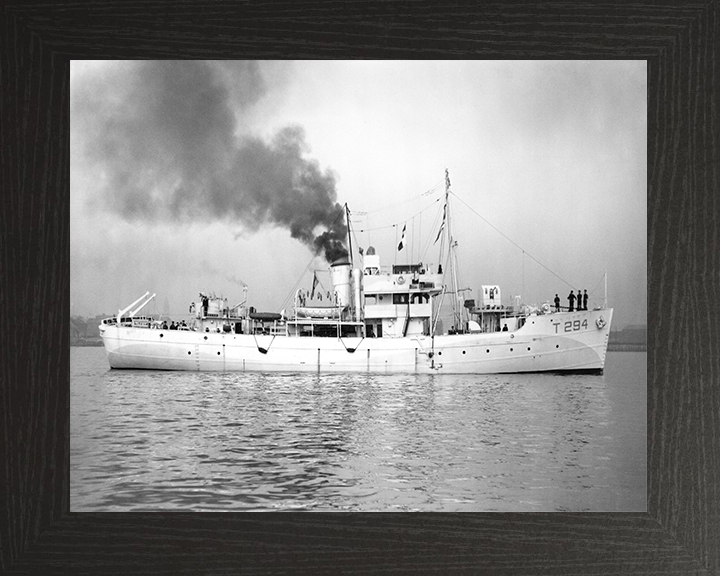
153,440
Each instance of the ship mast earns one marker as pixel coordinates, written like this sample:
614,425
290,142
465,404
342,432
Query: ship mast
347,219
452,262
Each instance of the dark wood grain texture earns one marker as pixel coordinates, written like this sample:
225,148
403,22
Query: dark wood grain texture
680,532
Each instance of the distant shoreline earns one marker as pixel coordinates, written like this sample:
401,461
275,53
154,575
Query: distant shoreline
84,343
627,347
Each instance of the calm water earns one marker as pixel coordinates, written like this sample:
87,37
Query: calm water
145,441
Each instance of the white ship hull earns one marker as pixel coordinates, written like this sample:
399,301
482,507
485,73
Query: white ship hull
566,341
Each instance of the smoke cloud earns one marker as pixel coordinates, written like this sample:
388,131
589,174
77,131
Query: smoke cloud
170,142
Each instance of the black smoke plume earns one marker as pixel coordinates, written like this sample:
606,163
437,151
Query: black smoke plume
170,142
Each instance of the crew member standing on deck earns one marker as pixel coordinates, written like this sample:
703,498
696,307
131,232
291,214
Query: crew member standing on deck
571,299
579,300
585,300
557,303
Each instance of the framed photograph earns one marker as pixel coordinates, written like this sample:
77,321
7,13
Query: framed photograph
192,124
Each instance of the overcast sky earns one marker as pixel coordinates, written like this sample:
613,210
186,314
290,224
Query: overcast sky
202,176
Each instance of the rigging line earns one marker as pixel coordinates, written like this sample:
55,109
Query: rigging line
357,226
419,234
295,287
428,242
315,273
357,241
398,223
596,285
510,240
410,199
395,250
289,297
412,236
434,188
402,221
388,206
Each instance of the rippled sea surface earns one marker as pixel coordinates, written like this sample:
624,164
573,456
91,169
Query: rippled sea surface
143,440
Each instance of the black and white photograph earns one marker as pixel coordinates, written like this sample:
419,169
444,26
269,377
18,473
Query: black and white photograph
358,286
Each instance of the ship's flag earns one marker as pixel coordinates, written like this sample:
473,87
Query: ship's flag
315,283
442,224
402,239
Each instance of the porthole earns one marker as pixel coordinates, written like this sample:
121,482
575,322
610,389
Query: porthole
218,353
557,345
189,352
511,349
439,353
205,337
463,351
161,335
528,348
488,350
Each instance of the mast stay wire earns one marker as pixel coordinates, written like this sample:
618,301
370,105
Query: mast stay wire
366,229
525,252
429,242
396,224
596,285
415,197
357,241
288,298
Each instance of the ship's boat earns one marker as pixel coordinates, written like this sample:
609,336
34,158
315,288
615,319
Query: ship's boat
319,311
378,320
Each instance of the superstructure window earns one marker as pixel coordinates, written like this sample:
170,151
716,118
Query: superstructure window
400,298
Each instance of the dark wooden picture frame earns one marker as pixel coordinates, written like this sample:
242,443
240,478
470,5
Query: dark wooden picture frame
680,532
